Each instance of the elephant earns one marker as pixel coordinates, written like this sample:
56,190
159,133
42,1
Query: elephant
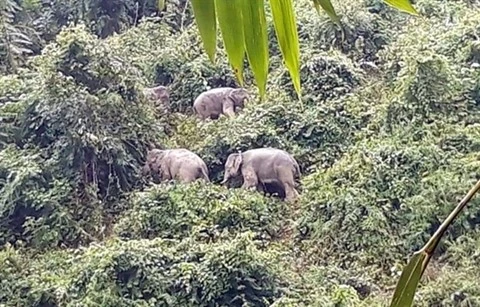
223,100
264,166
160,94
175,164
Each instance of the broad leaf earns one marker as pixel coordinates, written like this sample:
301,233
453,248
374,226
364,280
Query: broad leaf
204,12
287,35
256,41
327,6
407,285
229,17
402,5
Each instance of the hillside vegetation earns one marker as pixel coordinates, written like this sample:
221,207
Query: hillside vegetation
387,138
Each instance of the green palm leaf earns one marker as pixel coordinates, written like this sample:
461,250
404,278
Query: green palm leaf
204,12
256,42
231,27
287,35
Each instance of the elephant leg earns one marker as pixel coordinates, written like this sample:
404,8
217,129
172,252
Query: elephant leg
164,174
286,177
260,187
188,175
291,193
250,180
228,108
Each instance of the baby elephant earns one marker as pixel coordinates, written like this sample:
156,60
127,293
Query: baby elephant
263,166
175,164
222,100
159,94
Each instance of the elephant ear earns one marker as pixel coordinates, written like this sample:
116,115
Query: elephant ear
237,162
238,95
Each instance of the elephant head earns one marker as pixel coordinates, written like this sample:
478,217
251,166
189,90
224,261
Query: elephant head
153,164
232,166
159,94
238,96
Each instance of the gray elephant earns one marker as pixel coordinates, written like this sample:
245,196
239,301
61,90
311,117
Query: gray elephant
264,166
175,164
160,94
223,100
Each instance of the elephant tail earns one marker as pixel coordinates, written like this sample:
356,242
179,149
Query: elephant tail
204,173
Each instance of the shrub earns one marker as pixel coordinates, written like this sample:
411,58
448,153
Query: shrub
384,199
324,76
38,209
178,211
361,36
88,130
142,273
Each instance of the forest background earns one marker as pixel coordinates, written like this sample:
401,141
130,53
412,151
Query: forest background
388,142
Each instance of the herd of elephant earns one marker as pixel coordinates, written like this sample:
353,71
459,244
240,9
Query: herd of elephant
259,167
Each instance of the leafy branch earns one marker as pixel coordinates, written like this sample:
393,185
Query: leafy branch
243,27
14,43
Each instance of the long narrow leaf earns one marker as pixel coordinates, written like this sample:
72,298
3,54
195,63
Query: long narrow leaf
406,286
256,42
229,17
402,5
287,35
327,6
405,291
204,12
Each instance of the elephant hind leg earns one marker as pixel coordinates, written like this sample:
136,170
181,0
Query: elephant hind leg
291,193
187,175
287,179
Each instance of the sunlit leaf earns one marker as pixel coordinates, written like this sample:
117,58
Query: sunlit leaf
402,5
204,12
287,35
327,6
231,26
161,5
407,285
256,41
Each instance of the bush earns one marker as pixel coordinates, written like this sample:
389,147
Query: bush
93,119
86,129
198,209
361,36
34,206
324,76
142,273
386,198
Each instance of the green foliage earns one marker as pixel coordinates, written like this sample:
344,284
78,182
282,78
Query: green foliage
387,138
325,76
144,273
88,128
14,43
387,191
174,212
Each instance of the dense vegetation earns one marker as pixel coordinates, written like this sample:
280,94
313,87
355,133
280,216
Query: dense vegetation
388,140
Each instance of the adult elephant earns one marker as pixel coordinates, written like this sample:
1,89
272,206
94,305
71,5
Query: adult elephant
223,100
264,166
175,164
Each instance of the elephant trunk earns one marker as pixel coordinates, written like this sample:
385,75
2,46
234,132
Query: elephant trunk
225,179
